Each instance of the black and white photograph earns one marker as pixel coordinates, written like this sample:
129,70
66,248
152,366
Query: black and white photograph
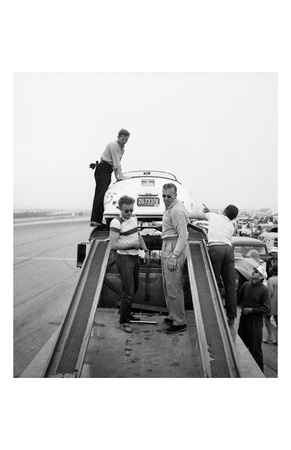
138,217
144,163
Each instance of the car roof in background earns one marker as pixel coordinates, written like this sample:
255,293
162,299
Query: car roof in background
245,240
269,234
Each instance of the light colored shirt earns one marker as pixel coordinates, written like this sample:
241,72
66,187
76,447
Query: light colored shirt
272,285
220,228
128,232
175,220
113,154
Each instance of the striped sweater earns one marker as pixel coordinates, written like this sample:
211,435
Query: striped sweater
128,232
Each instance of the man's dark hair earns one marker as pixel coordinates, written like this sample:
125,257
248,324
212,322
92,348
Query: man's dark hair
123,132
125,200
170,186
231,212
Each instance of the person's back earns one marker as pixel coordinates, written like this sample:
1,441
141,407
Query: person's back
220,231
220,228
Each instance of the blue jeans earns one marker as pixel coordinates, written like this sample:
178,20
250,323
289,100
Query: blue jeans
222,260
128,268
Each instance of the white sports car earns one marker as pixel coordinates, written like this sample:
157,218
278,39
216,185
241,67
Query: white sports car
145,186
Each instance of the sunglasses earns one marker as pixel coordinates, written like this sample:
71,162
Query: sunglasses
128,210
168,195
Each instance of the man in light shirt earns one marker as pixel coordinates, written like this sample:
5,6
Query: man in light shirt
220,232
174,246
110,161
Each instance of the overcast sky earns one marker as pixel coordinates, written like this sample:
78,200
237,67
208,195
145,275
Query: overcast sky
216,131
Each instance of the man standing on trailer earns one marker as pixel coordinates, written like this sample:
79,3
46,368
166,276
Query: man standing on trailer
220,232
126,239
174,245
110,161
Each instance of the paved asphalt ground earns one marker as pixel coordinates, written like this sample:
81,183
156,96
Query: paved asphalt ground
45,277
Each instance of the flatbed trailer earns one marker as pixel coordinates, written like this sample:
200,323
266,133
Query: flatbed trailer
90,343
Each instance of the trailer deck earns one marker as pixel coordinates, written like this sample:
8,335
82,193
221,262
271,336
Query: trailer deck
147,352
90,343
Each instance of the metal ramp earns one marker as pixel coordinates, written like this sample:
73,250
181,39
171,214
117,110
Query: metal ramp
69,352
213,335
215,341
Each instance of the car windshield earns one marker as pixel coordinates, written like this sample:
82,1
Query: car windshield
244,249
150,173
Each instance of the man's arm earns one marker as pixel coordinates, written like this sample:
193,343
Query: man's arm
265,306
240,294
142,243
179,220
198,216
201,215
115,245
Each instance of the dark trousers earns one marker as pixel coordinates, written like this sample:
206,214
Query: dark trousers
102,177
128,268
222,260
250,331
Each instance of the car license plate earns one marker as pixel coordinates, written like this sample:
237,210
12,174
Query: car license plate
148,201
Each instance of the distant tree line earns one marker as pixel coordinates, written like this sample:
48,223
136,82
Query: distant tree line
44,213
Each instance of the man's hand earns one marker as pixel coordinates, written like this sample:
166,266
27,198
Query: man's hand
92,166
157,224
146,256
171,264
246,311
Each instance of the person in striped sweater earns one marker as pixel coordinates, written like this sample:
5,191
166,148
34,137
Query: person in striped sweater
126,240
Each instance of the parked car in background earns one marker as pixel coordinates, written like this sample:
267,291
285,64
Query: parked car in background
244,264
271,228
270,239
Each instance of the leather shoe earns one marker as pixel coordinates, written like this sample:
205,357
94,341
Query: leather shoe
125,327
174,329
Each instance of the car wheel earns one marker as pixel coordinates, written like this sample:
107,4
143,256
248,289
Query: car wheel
239,280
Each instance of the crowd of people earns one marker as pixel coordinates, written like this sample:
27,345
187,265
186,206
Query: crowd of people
253,227
258,298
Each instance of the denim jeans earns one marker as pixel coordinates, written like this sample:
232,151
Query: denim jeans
128,268
222,259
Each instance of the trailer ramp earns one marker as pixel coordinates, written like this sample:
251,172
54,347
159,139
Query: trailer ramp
69,352
215,341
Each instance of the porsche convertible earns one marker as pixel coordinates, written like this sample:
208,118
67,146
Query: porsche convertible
145,186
